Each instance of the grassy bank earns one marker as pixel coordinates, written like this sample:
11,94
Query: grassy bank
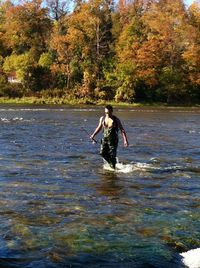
84,101
62,101
42,100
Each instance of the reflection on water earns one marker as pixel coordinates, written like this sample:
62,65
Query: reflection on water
109,185
60,208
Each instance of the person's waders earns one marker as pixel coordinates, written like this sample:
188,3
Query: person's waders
109,143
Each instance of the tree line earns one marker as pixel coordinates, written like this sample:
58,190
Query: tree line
129,51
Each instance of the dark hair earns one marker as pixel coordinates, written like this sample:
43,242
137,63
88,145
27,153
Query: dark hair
109,107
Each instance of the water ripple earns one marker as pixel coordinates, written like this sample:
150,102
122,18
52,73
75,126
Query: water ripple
60,206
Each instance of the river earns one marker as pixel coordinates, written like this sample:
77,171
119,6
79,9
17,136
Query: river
60,207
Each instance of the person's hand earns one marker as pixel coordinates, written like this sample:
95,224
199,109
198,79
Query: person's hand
93,139
125,143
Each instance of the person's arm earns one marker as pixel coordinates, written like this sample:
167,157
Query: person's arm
98,129
123,132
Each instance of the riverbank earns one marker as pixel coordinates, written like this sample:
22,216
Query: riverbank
68,101
84,101
64,101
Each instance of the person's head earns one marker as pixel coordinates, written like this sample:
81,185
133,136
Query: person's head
108,109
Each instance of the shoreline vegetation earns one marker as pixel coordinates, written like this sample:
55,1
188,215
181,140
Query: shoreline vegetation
86,101
121,52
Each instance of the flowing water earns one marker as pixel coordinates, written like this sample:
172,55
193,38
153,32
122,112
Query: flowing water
60,207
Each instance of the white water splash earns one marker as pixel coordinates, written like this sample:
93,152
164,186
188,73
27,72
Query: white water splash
131,167
15,119
191,258
120,167
106,166
124,168
127,168
11,119
5,120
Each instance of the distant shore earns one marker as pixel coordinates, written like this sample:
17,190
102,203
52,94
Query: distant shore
86,101
63,101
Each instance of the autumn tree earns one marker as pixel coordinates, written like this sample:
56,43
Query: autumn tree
152,42
129,41
191,54
85,47
130,50
4,51
27,30
4,6
167,28
27,27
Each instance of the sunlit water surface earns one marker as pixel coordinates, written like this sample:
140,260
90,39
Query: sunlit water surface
60,208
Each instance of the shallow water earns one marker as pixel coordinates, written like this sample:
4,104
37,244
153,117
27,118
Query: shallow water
60,208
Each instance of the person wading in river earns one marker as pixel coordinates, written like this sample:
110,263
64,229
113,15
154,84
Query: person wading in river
111,125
